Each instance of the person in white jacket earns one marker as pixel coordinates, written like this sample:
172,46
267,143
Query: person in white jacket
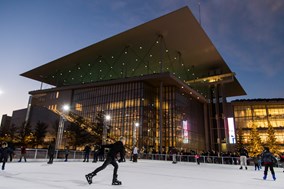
135,154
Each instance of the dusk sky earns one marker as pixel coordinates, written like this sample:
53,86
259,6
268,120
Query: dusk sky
249,35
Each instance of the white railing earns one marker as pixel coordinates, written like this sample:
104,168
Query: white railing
41,155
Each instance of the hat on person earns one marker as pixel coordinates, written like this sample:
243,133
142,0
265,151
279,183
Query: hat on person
266,149
122,138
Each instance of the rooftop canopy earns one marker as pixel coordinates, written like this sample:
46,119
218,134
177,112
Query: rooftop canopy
173,43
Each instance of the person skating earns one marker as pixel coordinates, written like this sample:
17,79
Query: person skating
117,147
135,154
23,153
66,153
174,153
51,151
268,160
243,157
4,153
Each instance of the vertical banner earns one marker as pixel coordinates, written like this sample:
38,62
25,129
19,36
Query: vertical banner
185,131
232,135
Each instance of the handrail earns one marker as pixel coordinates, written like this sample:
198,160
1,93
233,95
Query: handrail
33,154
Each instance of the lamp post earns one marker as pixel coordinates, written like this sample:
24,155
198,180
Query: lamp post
65,108
105,128
135,126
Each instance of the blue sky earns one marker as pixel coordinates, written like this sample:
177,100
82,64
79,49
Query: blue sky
247,33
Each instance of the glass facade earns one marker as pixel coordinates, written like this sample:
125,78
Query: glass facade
261,114
139,102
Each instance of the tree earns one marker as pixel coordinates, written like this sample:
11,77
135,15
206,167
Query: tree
240,138
8,132
82,131
24,132
255,147
40,133
100,120
78,136
271,139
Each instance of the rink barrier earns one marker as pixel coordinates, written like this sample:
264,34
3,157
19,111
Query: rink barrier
41,155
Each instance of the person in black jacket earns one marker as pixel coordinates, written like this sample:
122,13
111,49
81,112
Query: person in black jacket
87,150
243,157
268,160
51,151
4,153
117,147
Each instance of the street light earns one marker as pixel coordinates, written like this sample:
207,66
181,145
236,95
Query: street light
65,108
135,126
105,128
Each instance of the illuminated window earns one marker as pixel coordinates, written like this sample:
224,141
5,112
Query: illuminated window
57,94
78,107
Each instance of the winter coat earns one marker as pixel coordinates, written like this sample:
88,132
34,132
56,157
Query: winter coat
268,158
243,152
87,149
23,150
4,153
51,149
116,148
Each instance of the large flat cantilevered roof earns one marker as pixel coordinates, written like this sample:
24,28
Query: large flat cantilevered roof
174,43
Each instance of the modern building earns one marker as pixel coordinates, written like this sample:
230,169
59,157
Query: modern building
163,83
5,123
261,113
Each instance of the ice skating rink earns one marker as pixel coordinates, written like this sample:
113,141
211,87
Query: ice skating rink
146,174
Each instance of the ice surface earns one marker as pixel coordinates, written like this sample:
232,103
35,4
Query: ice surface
146,174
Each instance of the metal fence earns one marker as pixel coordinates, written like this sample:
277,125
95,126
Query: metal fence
41,154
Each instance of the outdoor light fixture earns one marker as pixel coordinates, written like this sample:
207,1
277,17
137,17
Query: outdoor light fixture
105,127
65,108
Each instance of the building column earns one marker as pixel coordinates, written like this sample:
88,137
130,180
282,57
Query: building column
217,117
161,117
206,126
225,115
212,139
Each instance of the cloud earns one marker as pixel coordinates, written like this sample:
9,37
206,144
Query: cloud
250,33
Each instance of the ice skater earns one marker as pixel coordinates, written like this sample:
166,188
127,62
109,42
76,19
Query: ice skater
268,161
4,153
23,153
135,154
51,151
117,147
243,157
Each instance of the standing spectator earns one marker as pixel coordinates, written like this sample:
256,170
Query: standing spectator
66,153
51,151
23,153
87,153
243,157
268,161
117,147
4,152
135,153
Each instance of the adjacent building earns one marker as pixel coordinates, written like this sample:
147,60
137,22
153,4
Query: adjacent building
261,113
